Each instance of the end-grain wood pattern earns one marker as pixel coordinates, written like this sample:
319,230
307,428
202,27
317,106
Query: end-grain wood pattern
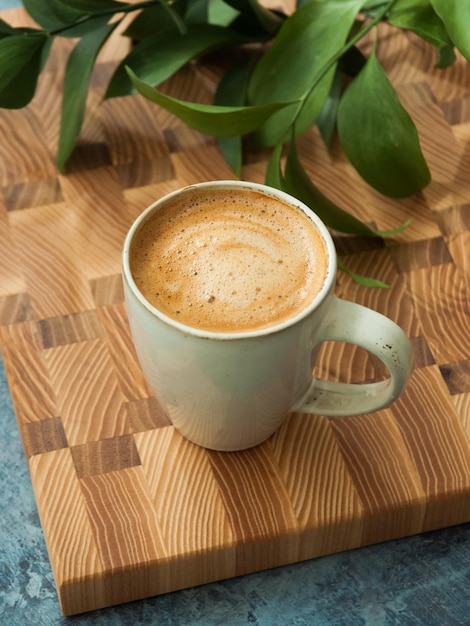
130,508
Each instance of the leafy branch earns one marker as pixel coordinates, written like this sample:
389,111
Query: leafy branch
302,69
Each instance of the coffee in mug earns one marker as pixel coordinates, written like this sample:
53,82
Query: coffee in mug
226,262
229,289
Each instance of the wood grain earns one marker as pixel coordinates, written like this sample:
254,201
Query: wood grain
131,509
31,390
91,406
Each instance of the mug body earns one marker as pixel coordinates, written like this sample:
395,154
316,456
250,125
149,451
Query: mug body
227,391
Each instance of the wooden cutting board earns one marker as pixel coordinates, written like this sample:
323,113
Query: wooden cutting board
128,507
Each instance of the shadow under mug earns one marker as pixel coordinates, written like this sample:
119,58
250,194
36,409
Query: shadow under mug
231,391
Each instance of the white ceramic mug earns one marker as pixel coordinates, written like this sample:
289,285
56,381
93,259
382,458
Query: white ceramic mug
231,391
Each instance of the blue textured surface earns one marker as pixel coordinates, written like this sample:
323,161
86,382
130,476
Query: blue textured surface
422,580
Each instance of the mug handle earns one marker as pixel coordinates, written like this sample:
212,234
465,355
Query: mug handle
359,325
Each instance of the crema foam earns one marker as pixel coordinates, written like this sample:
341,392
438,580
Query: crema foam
229,260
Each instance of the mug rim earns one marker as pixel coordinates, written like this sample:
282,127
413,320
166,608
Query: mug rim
325,289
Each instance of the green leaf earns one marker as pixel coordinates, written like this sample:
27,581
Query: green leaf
379,137
197,12
217,121
446,57
77,77
72,18
232,151
83,28
326,121
297,61
154,20
374,6
221,13
395,231
231,91
273,176
365,281
298,183
94,6
6,30
419,17
456,16
255,12
156,59
351,62
52,14
21,60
